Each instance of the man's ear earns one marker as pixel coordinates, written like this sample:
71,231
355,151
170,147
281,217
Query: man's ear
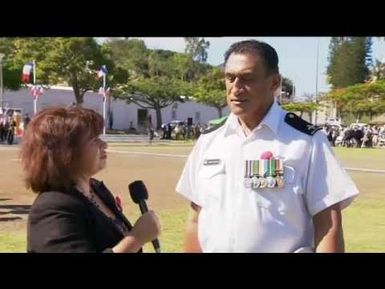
276,82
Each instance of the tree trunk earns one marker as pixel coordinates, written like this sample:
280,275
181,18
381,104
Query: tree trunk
338,110
79,96
358,117
158,111
219,109
310,113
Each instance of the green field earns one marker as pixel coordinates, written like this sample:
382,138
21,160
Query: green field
13,242
364,220
363,158
173,223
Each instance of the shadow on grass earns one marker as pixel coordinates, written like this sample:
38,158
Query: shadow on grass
14,210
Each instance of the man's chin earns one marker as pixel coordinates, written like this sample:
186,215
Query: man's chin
238,110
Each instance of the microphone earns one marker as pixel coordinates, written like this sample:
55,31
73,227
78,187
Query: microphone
139,195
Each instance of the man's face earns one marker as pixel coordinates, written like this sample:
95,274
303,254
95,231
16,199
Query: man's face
249,87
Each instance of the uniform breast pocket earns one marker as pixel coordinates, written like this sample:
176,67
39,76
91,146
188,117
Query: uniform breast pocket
278,199
212,181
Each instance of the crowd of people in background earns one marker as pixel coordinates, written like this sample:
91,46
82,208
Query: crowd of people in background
8,126
181,130
347,136
359,136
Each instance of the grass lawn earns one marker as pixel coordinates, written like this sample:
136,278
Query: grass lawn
364,220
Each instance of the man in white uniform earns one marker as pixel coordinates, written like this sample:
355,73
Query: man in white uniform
263,180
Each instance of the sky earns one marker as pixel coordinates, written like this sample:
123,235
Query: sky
297,56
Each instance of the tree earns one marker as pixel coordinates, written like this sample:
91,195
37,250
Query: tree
334,59
287,91
287,86
75,61
11,75
302,107
17,52
160,63
349,59
154,93
156,78
72,61
183,66
129,55
361,99
211,90
361,60
197,48
7,46
378,71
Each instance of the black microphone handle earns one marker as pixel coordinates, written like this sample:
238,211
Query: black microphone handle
144,209
156,245
143,206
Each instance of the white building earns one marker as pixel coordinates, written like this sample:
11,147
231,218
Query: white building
123,115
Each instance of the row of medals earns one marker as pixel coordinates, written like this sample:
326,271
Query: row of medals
264,173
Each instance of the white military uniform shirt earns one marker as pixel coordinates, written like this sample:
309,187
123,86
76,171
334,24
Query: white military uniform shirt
234,218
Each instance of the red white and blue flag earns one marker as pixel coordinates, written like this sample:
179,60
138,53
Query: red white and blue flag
37,91
27,69
105,92
102,71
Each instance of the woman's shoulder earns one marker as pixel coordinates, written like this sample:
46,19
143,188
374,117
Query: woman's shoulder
55,200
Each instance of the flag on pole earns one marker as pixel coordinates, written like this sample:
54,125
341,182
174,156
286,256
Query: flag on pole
102,71
37,91
106,93
27,68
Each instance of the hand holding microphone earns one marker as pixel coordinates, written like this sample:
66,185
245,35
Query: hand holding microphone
147,227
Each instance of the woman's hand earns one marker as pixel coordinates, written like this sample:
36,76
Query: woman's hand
146,229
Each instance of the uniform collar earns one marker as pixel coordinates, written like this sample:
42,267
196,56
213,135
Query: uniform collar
271,120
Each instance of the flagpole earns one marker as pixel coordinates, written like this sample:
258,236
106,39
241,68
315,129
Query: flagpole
1,82
280,90
34,83
104,103
108,109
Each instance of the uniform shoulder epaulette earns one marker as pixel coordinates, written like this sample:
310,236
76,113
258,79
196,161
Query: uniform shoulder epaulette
301,124
216,126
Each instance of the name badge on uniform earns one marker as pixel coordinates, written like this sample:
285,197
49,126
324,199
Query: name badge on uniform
211,162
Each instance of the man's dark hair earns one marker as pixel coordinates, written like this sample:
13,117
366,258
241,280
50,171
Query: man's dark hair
262,49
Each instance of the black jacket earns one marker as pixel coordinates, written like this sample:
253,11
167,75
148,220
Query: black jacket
61,222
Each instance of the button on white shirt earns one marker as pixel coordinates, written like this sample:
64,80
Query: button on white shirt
234,218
